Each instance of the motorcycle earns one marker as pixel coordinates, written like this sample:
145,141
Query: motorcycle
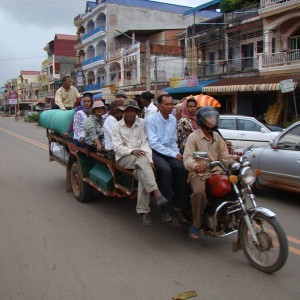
232,208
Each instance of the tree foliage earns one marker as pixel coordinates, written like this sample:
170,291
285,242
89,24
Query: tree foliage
232,5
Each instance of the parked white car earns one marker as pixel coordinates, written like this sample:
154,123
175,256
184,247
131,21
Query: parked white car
243,131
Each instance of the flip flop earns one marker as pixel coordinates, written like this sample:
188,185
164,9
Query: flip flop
166,218
194,233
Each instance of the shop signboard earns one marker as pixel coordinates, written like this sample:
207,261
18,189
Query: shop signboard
79,78
287,86
13,97
187,81
108,92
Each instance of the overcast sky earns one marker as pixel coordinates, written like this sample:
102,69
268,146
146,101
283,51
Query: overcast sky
28,25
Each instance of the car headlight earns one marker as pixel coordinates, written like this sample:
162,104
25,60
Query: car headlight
248,175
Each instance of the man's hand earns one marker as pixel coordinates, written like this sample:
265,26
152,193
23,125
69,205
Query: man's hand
179,157
138,152
66,134
200,168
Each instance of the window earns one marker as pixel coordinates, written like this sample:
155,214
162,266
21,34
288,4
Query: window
295,41
259,47
247,56
127,74
211,58
291,140
227,124
248,125
220,54
273,45
230,53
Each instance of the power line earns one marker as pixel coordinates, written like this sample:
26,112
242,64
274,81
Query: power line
40,3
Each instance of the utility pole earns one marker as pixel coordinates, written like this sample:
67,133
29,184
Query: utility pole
155,78
148,66
31,94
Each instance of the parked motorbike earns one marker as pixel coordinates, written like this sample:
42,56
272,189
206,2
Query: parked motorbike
232,209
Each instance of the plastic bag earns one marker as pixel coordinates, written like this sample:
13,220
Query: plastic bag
59,151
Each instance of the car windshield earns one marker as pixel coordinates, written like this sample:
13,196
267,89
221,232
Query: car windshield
291,140
274,127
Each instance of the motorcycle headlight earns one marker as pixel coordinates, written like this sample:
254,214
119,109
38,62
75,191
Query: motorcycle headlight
248,175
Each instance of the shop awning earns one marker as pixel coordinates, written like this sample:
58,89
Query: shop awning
190,90
249,84
98,96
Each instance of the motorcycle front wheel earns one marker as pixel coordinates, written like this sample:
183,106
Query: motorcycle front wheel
272,252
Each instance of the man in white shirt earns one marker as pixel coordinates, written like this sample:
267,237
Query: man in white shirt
114,115
147,102
133,152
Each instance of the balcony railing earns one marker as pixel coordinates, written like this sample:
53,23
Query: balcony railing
241,14
210,68
93,87
94,59
114,55
281,58
268,3
93,32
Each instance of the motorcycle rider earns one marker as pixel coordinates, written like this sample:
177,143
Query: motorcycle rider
204,139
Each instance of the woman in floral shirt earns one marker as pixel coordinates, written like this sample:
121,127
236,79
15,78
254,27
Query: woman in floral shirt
188,123
94,134
80,119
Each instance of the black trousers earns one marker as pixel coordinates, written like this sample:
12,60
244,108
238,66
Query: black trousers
171,180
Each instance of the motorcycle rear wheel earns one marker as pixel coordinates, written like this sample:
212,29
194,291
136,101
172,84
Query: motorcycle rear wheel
272,253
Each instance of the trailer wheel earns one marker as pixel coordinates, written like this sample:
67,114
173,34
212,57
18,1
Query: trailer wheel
81,190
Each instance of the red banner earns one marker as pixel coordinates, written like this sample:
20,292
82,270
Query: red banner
13,97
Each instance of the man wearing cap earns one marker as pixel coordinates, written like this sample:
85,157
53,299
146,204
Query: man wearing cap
171,179
120,95
67,95
133,152
93,129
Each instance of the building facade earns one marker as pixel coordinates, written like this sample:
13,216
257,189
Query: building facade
117,42
60,62
250,52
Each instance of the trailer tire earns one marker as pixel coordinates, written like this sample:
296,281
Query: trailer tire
81,190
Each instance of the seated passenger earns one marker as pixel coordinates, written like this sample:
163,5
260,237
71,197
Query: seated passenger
147,103
93,129
171,179
187,124
114,115
133,152
80,118
203,139
78,108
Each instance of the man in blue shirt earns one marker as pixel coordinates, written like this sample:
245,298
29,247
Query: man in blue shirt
162,137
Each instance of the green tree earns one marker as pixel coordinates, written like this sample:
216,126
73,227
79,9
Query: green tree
232,5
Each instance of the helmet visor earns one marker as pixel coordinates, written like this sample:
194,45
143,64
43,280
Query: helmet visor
210,118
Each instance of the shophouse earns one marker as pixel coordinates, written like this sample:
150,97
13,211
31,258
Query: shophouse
27,87
60,62
249,52
130,44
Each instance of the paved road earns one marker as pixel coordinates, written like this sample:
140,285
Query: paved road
53,247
